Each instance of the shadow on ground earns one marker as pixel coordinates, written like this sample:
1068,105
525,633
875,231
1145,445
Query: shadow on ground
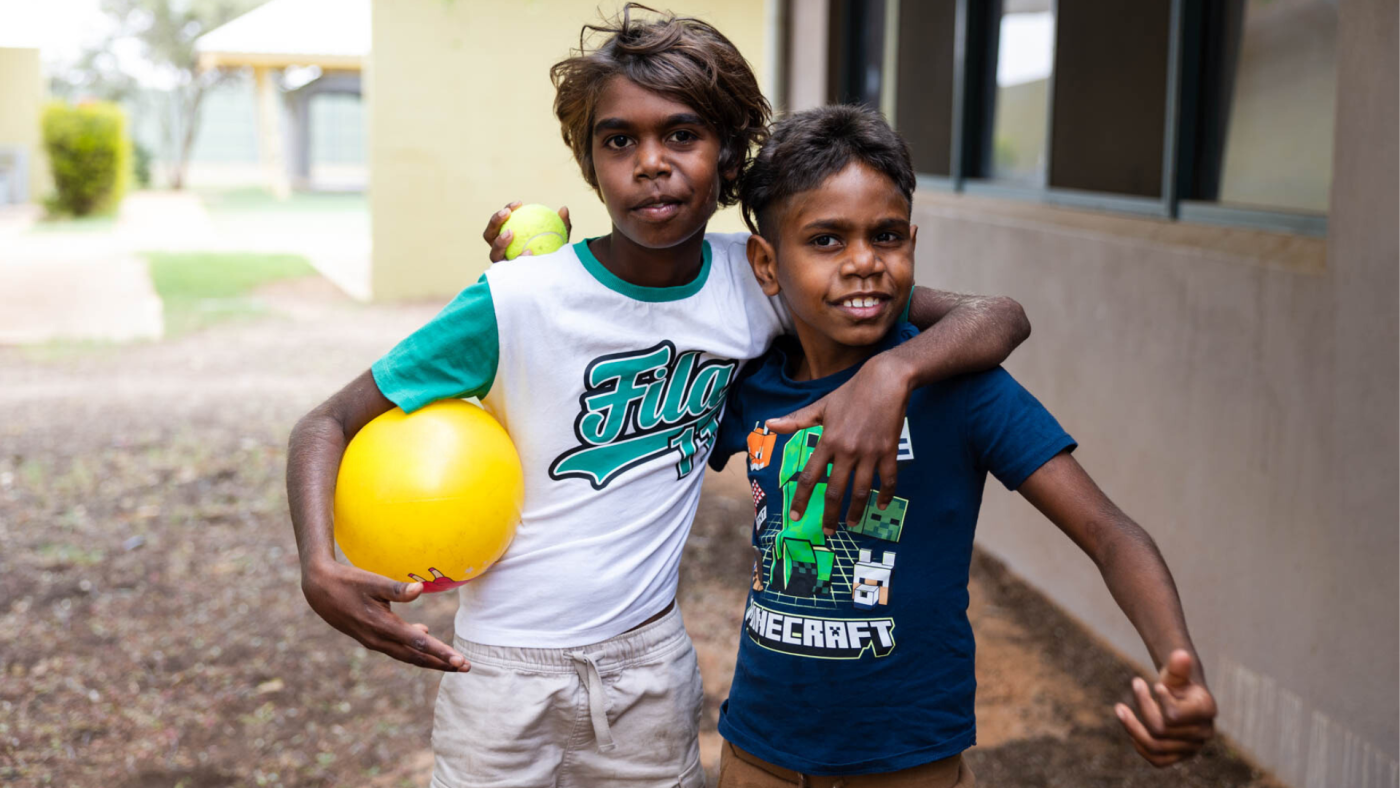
154,634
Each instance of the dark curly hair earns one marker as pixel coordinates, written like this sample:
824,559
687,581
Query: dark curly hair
678,57
808,147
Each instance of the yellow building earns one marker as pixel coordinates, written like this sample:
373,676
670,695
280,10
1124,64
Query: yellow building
461,122
23,167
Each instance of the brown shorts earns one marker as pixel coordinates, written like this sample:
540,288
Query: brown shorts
739,769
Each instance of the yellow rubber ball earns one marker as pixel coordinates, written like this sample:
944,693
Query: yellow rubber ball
432,497
537,228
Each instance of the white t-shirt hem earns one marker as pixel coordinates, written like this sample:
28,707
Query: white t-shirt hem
558,638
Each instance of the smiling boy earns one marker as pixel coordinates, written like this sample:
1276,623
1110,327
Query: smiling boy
856,666
608,362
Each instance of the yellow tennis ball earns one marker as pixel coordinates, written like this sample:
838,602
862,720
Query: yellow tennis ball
432,497
537,228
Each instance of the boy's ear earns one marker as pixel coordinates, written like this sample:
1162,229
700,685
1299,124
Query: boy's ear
763,258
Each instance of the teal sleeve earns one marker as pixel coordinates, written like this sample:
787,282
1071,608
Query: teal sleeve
453,356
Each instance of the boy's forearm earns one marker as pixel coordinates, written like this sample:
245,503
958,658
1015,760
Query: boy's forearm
959,334
313,460
1142,585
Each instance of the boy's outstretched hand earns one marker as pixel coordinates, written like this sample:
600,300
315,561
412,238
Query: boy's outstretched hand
499,240
356,602
1178,721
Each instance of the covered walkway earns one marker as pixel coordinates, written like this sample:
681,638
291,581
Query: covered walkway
297,49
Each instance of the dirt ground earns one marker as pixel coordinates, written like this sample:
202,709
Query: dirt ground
153,633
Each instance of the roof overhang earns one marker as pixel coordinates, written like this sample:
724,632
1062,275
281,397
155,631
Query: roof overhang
332,34
209,60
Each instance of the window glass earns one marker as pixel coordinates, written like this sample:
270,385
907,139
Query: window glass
1025,54
924,88
1278,119
856,48
228,124
1110,103
337,129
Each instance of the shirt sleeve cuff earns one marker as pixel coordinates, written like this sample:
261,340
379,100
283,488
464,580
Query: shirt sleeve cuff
1045,452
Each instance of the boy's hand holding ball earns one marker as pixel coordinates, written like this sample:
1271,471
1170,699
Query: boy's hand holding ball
356,602
518,229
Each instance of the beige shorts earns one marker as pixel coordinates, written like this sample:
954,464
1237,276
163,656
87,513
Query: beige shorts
623,712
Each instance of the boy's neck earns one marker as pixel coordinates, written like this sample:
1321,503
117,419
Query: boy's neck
635,264
821,356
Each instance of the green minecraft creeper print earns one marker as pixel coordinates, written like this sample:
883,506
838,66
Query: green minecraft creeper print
887,525
802,562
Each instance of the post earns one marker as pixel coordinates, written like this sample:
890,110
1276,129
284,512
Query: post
270,145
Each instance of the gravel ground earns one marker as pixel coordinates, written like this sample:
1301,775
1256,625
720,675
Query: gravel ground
153,633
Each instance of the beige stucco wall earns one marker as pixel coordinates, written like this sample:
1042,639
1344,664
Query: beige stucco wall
21,103
1237,393
461,122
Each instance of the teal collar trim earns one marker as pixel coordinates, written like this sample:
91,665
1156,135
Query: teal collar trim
617,284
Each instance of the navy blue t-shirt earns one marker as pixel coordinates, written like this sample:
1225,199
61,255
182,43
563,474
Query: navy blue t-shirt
856,655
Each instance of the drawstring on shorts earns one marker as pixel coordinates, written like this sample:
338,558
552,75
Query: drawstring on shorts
597,700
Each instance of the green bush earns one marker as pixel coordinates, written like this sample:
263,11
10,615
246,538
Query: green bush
90,155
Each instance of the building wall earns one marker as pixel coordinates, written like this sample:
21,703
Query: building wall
461,122
1236,392
22,102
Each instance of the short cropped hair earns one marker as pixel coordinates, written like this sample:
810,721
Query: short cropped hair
806,148
681,58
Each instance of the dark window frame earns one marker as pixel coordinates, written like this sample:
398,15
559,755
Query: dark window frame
1184,157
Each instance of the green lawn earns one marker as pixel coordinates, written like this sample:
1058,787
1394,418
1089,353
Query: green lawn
202,288
256,200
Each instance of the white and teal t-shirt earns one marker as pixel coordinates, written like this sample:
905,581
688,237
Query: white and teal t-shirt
612,393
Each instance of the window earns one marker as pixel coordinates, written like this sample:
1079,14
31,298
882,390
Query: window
1263,132
1023,48
1205,110
337,129
1110,111
898,56
923,93
855,48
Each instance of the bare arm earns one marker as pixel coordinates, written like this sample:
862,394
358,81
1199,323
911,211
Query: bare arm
1177,723
863,419
960,333
1124,553
351,600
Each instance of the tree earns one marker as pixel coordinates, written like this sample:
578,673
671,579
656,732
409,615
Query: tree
167,31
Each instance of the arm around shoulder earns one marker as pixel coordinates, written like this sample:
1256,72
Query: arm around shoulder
960,334
1004,314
